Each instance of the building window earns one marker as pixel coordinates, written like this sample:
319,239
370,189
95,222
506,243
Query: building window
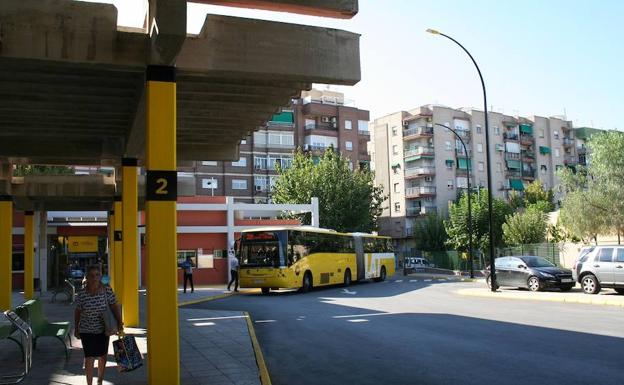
209,163
479,147
244,141
543,169
397,207
496,130
239,184
348,125
541,133
556,152
556,134
449,163
351,165
211,183
478,129
481,183
395,150
349,145
261,183
480,166
396,188
242,162
449,184
448,146
394,131
310,124
363,125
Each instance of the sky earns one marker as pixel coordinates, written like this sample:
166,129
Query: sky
537,57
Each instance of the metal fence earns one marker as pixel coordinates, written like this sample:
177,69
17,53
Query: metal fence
549,251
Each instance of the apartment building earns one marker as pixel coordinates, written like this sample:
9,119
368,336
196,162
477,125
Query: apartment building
314,122
423,166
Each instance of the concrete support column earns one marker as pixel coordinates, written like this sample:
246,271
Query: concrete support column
229,203
163,349
6,251
43,251
29,255
118,249
130,198
111,248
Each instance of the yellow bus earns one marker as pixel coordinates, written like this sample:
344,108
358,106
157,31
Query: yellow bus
304,257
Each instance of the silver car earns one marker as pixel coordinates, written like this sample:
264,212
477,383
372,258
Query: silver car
600,267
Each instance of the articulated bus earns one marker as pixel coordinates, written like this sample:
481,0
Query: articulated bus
303,257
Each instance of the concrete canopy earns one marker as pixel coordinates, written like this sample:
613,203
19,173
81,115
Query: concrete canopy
72,82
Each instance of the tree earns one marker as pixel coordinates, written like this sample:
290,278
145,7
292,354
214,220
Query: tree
515,200
348,200
542,206
525,227
430,233
457,226
535,192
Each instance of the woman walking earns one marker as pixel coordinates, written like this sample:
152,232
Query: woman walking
91,302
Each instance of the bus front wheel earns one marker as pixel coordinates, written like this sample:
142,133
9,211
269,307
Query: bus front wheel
347,278
265,290
307,282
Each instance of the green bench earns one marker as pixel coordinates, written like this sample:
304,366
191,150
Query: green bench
6,332
33,312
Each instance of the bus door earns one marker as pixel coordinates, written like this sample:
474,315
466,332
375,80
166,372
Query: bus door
359,258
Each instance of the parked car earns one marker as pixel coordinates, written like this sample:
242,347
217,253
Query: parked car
413,264
531,272
600,266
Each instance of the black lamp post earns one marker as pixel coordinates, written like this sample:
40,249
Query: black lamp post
469,197
487,159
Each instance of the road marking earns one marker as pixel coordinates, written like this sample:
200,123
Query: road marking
265,321
398,280
441,279
263,372
357,320
427,280
361,315
204,324
345,291
413,280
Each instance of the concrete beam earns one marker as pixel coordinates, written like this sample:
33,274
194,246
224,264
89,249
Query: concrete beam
233,47
341,9
167,29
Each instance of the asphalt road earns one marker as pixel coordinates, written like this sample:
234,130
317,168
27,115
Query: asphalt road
404,331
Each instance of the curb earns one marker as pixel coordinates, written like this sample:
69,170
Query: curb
206,299
262,368
589,301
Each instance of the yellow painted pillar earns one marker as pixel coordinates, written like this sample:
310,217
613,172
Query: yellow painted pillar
129,210
118,252
29,255
163,349
6,251
111,248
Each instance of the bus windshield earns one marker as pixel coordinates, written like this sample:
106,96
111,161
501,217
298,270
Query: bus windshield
263,249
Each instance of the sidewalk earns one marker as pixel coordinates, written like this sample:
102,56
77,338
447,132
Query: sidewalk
215,347
605,297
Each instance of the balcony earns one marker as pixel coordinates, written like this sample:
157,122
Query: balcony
364,132
314,147
417,132
419,151
526,139
418,172
528,174
513,174
420,191
465,134
570,160
568,142
510,136
581,150
420,210
462,154
512,156
528,155
321,126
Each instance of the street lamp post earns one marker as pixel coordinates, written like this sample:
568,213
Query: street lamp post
469,197
487,159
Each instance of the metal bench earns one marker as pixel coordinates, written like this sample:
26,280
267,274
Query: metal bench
42,328
68,289
25,343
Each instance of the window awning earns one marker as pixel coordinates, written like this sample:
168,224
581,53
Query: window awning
527,129
396,165
464,164
500,147
516,184
449,162
283,117
544,150
513,164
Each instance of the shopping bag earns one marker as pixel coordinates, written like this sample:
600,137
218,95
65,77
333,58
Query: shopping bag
127,354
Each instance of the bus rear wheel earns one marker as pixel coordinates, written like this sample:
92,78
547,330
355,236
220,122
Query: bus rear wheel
347,277
265,290
307,282
382,275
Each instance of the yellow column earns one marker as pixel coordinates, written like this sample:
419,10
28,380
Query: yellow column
118,252
29,255
163,348
129,197
111,248
6,251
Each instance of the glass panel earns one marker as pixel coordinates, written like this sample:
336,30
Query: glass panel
620,255
263,249
605,255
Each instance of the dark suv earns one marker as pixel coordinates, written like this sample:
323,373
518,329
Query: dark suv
533,273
